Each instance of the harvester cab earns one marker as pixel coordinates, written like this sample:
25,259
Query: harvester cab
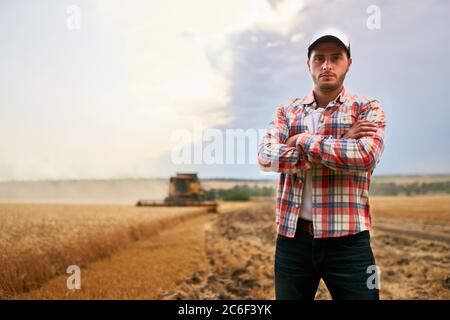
184,188
184,191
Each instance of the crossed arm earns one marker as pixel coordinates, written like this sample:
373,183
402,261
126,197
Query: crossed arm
360,149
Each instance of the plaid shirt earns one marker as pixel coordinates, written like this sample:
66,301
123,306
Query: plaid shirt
341,167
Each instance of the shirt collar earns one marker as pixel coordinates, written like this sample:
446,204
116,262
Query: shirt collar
342,97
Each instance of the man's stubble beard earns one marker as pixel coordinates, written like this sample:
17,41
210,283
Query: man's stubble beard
327,87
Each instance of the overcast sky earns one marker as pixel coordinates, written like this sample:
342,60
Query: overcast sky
96,89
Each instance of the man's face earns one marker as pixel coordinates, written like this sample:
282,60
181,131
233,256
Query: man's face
328,65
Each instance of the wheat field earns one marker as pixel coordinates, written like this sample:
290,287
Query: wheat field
39,241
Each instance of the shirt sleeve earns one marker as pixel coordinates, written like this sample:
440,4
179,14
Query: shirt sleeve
361,154
274,154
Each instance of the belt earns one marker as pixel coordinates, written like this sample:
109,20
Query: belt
305,225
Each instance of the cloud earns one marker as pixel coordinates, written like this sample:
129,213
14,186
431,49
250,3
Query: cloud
104,100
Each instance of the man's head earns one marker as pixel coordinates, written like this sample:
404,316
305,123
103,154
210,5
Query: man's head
329,60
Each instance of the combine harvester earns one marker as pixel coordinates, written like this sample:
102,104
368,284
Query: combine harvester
184,191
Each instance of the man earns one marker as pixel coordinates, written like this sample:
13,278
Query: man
325,147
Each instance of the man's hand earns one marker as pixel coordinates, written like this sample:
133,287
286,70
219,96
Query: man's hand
290,142
361,128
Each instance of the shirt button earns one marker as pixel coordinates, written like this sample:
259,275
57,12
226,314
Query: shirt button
297,206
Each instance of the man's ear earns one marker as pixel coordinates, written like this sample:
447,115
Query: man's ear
349,63
307,63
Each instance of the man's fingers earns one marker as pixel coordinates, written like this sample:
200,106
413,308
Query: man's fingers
359,134
367,128
367,133
362,128
363,134
366,123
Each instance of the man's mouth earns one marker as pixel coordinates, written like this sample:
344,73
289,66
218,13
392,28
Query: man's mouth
327,75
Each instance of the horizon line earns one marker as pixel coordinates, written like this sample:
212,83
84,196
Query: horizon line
275,177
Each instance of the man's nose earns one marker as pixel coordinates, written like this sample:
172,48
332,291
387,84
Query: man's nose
326,65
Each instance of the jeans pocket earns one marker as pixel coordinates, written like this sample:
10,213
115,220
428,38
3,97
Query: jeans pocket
360,240
281,238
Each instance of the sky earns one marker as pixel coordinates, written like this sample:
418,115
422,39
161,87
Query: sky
113,89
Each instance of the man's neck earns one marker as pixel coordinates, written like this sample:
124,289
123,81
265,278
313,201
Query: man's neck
324,97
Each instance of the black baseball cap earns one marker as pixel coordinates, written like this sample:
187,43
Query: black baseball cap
330,35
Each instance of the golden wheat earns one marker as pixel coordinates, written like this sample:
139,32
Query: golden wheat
39,241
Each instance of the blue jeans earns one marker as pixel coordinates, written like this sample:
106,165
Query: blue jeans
342,263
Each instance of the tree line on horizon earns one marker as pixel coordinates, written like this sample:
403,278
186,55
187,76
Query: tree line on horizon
246,192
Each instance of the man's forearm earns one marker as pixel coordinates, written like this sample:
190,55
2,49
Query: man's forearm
279,157
273,152
341,153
